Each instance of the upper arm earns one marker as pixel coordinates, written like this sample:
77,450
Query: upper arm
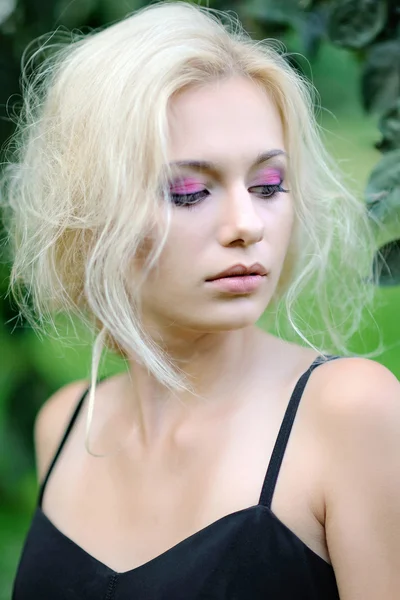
360,419
51,422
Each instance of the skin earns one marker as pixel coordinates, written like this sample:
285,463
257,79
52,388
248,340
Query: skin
175,464
228,123
195,446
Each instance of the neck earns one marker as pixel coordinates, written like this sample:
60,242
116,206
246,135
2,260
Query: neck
215,365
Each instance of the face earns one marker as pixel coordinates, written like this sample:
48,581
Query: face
231,205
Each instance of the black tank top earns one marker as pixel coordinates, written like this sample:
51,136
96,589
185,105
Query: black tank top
246,555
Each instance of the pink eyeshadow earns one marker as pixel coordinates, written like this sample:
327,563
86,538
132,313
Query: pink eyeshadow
269,177
186,186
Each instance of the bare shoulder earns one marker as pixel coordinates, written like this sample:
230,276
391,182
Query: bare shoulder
352,394
358,416
350,386
51,421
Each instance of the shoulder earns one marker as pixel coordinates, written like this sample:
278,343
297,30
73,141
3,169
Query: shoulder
358,413
52,420
360,388
353,399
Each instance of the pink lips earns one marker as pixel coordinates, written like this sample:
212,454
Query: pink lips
241,284
239,269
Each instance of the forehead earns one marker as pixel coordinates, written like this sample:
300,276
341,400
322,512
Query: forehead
232,119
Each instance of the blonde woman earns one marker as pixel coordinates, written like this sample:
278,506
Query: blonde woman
170,187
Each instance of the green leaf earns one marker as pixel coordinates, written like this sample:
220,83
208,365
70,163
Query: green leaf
383,197
9,85
39,16
271,11
380,83
114,10
387,264
356,23
74,14
389,126
313,30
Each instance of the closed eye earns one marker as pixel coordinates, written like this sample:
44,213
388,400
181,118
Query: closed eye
266,191
188,199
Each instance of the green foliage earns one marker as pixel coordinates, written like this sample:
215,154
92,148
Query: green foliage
270,11
69,13
389,126
384,187
381,76
356,23
117,9
372,29
383,193
389,266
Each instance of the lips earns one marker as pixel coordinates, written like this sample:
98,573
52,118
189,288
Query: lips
237,276
240,270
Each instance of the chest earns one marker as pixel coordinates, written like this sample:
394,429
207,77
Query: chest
125,511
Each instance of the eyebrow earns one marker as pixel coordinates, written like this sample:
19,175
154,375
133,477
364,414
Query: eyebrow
202,165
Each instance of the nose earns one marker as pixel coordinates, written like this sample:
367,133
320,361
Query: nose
240,222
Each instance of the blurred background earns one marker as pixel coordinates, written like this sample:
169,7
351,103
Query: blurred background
350,49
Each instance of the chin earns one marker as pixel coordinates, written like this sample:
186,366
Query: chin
228,318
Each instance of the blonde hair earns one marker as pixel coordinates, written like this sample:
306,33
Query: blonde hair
81,191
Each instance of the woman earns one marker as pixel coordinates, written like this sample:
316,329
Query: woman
171,188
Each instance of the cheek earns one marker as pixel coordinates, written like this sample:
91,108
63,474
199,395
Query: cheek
176,261
279,223
286,238
288,224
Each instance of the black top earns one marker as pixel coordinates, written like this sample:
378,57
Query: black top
247,555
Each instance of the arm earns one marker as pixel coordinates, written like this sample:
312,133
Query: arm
360,423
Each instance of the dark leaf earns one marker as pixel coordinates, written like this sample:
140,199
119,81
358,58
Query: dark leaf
9,76
380,83
284,11
392,27
383,196
356,23
312,30
40,14
387,264
113,10
389,126
384,184
74,14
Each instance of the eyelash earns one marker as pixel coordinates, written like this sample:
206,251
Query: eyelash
191,200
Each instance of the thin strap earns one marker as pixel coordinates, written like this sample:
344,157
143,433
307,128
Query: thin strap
284,432
64,439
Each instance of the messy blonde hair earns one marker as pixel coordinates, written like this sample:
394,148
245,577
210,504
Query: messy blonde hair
81,191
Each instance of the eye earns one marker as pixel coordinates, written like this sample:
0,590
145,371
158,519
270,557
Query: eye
189,199
187,191
268,190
